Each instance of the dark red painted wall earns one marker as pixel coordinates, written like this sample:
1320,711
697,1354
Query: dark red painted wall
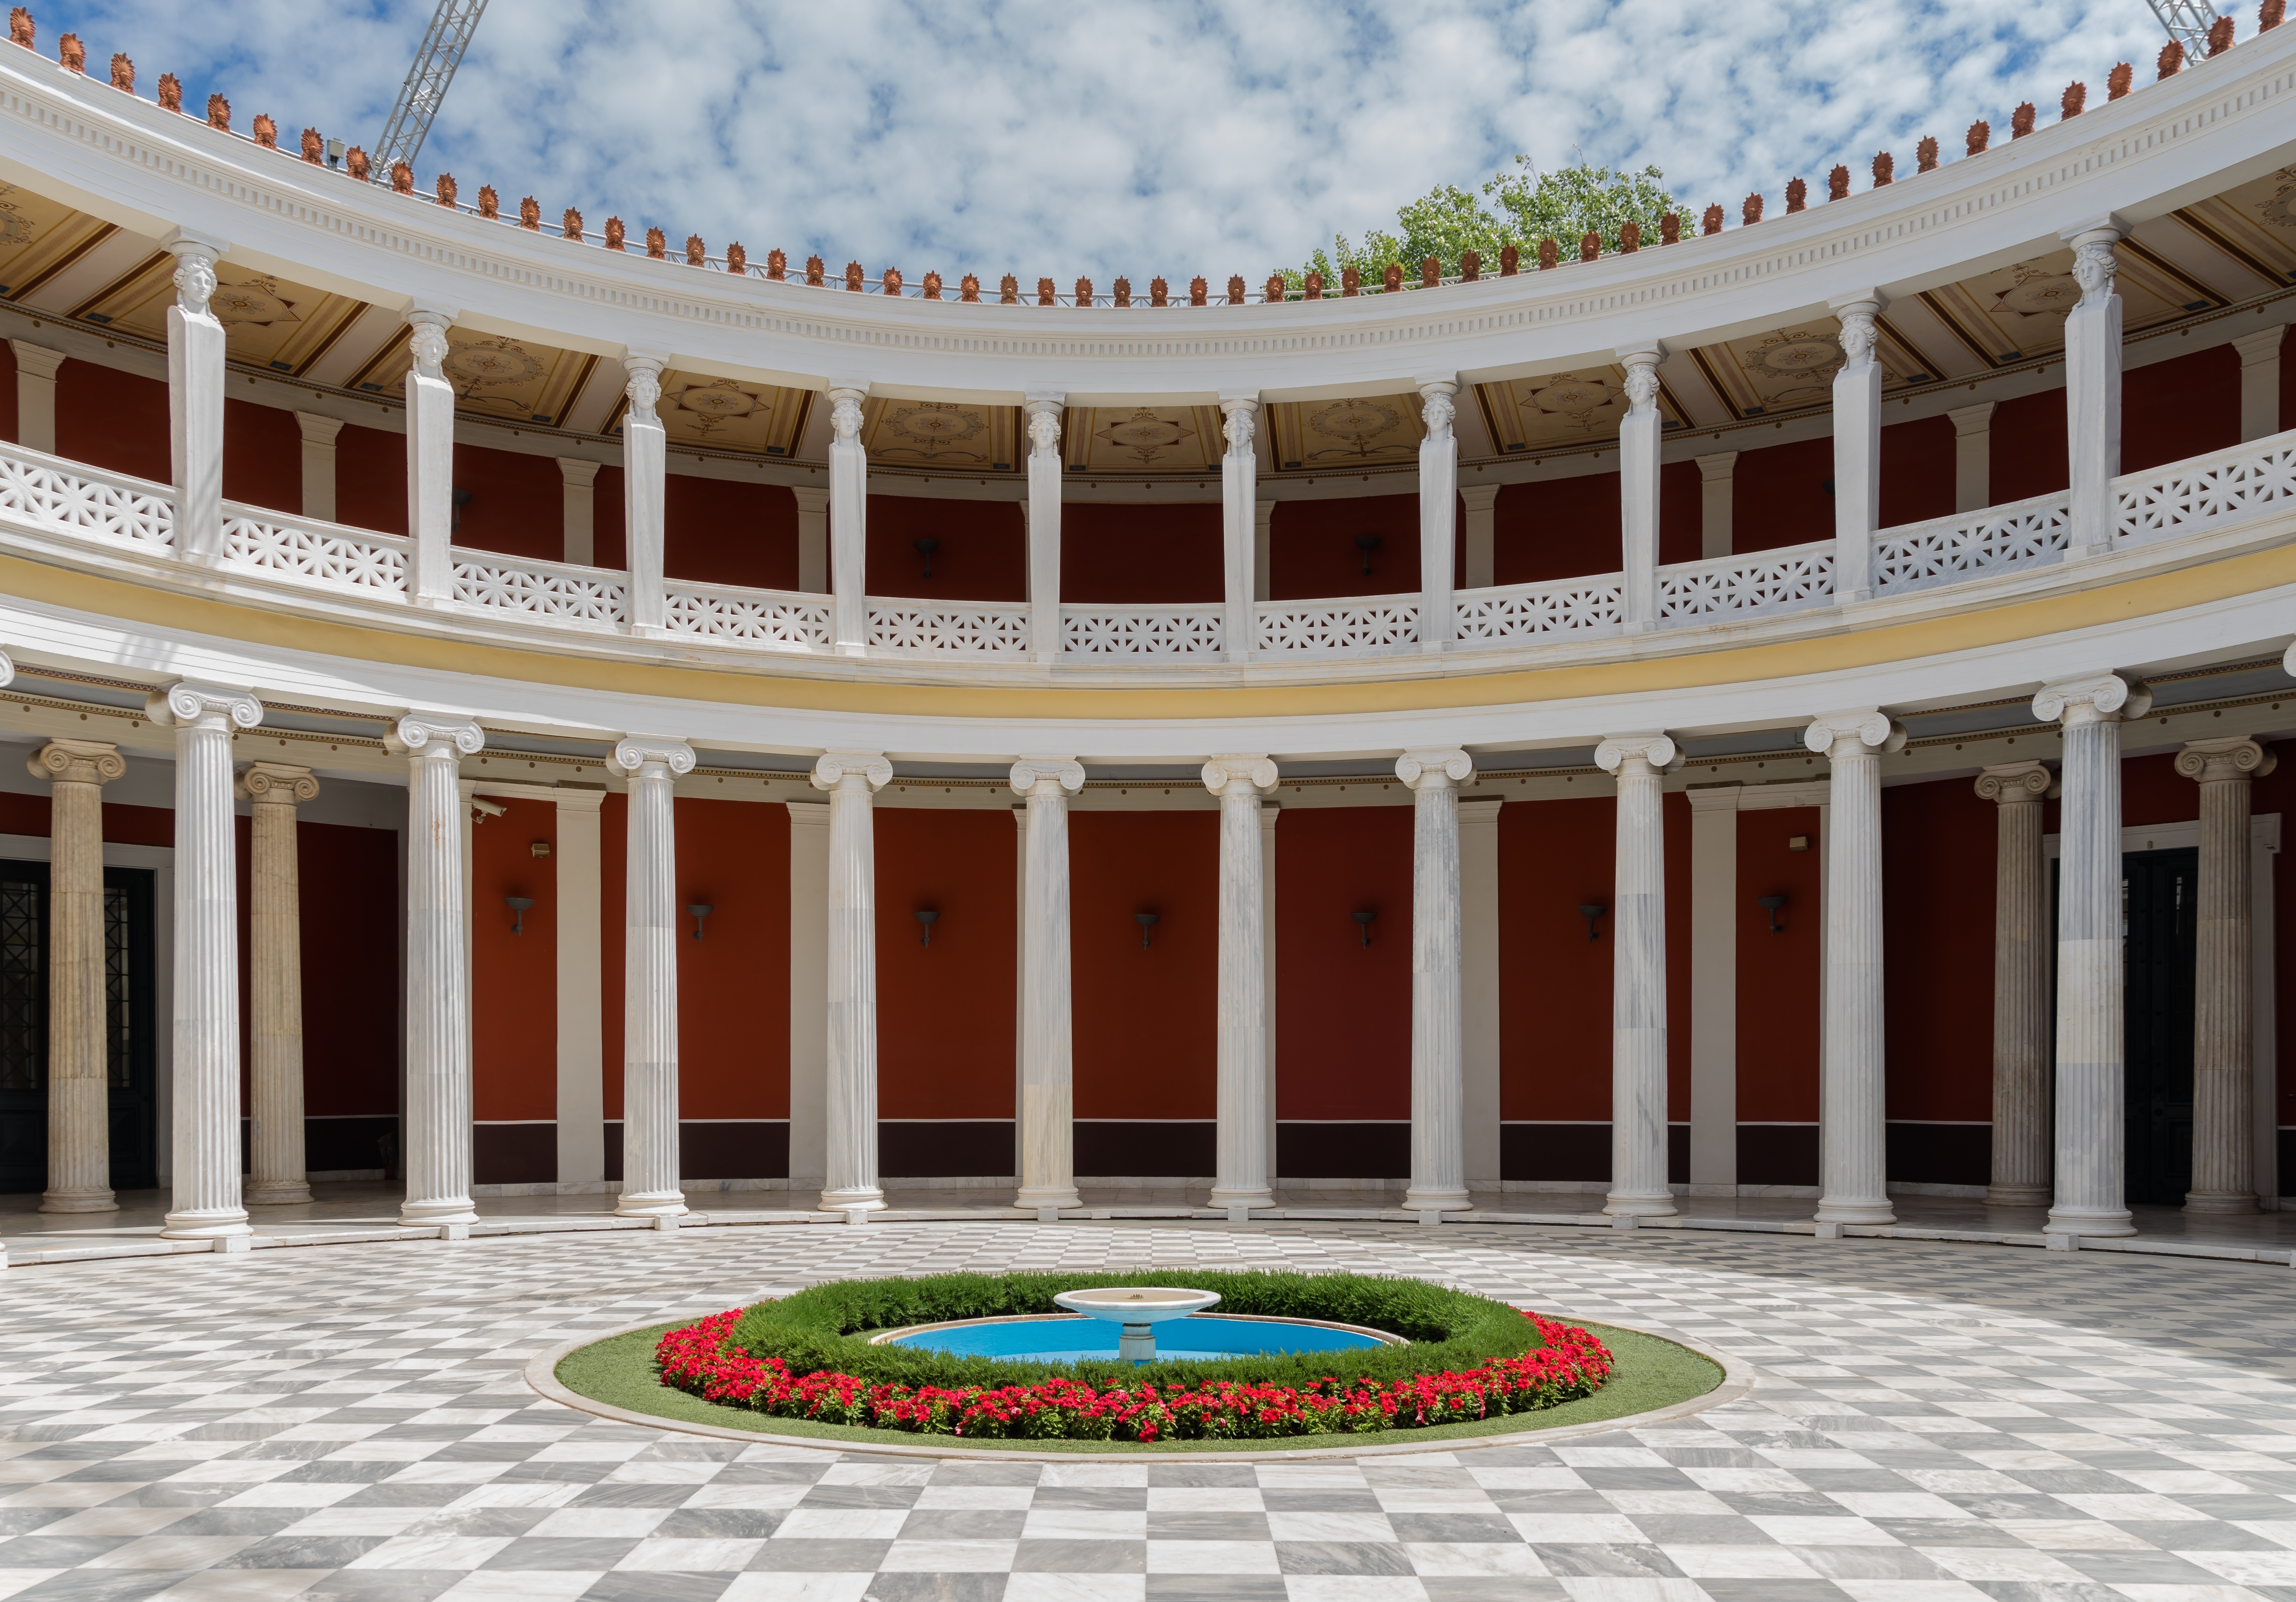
2026,447
370,480
732,984
2152,789
944,1013
1146,1022
517,504
609,520
1143,555
1938,855
113,419
8,392
1779,1026
1778,495
514,978
1555,984
2185,406
1917,470
1567,528
1312,552
983,553
349,882
262,455
720,532
1343,1010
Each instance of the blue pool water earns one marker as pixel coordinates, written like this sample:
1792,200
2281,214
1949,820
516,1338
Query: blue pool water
1066,1339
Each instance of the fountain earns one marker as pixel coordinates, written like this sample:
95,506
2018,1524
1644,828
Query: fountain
1120,1321
1139,1309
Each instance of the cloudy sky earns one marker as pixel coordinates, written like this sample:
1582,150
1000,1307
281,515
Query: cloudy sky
1060,137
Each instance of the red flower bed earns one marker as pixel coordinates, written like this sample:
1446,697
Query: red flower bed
698,1360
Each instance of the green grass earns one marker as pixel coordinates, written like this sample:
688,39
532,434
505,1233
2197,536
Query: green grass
1651,1373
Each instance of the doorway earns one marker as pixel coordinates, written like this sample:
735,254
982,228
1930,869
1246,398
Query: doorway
2160,924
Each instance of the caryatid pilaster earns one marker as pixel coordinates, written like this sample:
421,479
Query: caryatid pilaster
2091,1047
1638,1106
436,1145
1852,1110
848,521
650,1176
274,984
1047,1040
195,370
1439,494
79,1125
2224,1073
2021,984
1239,522
1241,1176
1439,1082
1044,409
430,456
205,1205
851,778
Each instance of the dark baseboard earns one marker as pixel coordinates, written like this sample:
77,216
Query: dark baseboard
925,1149
1343,1151
1148,1147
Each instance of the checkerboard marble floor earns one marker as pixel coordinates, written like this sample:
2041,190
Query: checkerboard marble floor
1932,1422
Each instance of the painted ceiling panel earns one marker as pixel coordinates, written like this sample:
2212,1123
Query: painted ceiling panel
1559,410
726,414
2252,227
968,437
1143,440
41,238
1380,430
84,282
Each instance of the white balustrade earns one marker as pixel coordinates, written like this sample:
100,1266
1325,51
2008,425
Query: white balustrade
954,628
1365,626
1143,630
2181,497
1943,550
1567,606
84,499
325,553
556,590
760,617
1727,588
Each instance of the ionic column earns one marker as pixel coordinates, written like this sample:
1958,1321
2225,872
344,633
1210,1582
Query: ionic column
1856,446
1438,1088
1240,1179
1047,1051
1438,492
319,434
2091,1162
1852,1110
205,1205
1717,488
1972,456
274,986
36,395
2223,1071
2093,392
80,1118
850,1111
1638,1183
650,1187
1242,559
1638,465
436,1139
645,461
195,361
1044,410
430,459
578,500
848,528
2259,382
2020,987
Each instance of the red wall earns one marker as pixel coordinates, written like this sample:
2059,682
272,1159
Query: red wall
1146,1022
349,882
1937,858
113,419
1917,470
8,392
370,480
1568,528
608,521
721,532
1779,1027
732,984
1555,984
983,553
1342,1009
2026,447
1140,555
514,978
1778,495
1312,552
944,1013
262,456
2185,406
517,504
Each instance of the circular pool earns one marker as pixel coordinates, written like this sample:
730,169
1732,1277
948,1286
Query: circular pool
1063,1337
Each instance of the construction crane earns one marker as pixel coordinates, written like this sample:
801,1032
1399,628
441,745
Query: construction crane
2187,22
425,88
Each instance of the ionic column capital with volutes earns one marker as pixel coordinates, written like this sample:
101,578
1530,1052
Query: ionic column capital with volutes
277,784
1049,776
188,705
2223,760
864,772
76,762
1434,770
653,756
1227,776
2093,698
1631,755
439,736
1842,734
2016,783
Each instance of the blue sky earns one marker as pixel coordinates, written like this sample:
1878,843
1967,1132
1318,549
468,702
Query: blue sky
1066,139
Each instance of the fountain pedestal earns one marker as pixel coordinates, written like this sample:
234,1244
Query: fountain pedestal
1139,1309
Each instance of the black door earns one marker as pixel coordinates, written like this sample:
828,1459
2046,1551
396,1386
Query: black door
130,1019
2158,919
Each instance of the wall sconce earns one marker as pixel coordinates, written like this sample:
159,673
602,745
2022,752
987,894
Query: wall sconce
518,905
1146,921
1364,922
1770,904
1366,544
539,848
925,548
1590,913
928,916
700,910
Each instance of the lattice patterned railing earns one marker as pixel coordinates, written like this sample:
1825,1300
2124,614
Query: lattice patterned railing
1943,550
1143,630
539,589
326,553
979,629
2183,494
85,499
1571,606
764,616
1737,586
1329,627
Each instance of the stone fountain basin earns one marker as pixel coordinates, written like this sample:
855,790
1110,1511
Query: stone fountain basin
1136,1303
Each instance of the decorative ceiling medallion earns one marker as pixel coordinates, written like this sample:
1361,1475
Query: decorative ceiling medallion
1145,435
1572,398
493,362
936,422
2280,210
256,302
1356,421
15,227
1798,356
2039,293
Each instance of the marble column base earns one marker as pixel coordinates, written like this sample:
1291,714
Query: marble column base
95,1199
209,1224
1047,1196
1855,1212
1618,1205
2216,1203
1241,1199
451,1209
2019,1196
277,1193
660,1204
858,1198
1417,1200
2098,1221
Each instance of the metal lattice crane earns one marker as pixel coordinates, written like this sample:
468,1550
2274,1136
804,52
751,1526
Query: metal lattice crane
2187,22
425,88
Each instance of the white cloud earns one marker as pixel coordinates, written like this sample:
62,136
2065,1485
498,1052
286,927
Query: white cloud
1066,139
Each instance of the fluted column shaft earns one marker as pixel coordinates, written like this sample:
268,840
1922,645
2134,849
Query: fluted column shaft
205,1205
1438,1088
2091,1160
436,1142
1240,1178
2021,987
850,1109
1047,1107
1852,1106
274,931
2224,1071
1638,1021
79,1123
649,1177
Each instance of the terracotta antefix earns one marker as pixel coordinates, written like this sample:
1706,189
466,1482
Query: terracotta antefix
933,286
2219,35
1669,229
571,224
1084,292
1235,289
968,289
402,179
816,271
1981,135
1391,280
1630,238
1471,266
314,147
218,112
1885,169
616,236
1123,295
1550,255
2120,81
1797,195
1311,287
1008,289
530,214
1925,155
657,245
2021,120
1590,246
72,53
267,131
2270,14
489,203
356,164
171,92
2172,59
1711,221
447,190
1509,262
1047,293
890,283
1159,293
1837,185
123,72
697,254
1753,212
1274,291
19,26
737,260
777,264
1430,273
2073,101
853,277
